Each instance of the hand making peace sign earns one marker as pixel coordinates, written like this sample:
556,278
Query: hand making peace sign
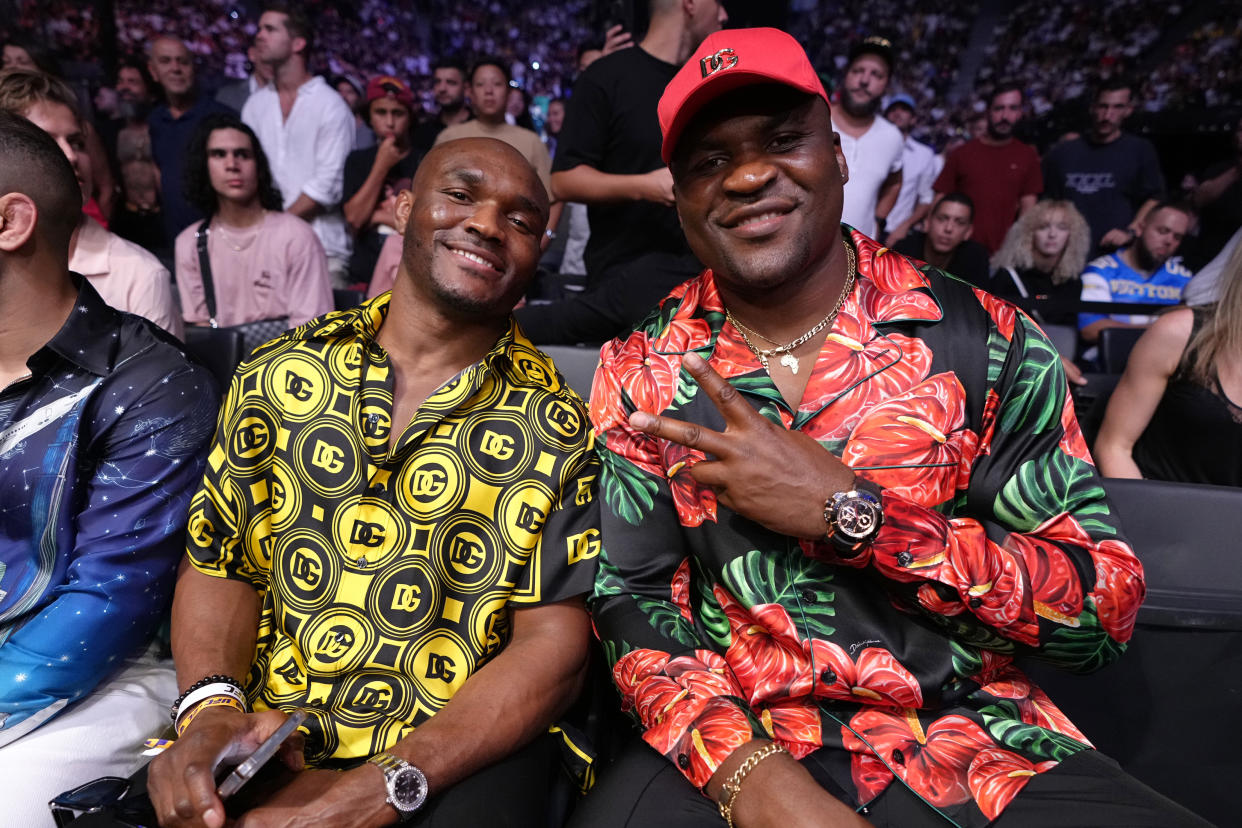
773,476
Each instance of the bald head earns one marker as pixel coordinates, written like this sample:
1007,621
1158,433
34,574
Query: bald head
485,156
32,165
171,65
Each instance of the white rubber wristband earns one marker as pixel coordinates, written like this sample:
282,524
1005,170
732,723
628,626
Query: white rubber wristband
219,688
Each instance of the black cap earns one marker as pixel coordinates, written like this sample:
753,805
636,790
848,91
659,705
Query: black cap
876,45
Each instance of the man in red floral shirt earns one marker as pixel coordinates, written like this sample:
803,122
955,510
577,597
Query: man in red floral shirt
841,492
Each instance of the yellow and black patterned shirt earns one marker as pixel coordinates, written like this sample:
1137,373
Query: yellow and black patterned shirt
386,577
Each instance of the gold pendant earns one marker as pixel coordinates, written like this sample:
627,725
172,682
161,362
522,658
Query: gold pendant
790,361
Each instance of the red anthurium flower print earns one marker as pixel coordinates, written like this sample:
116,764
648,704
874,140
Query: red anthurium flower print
707,741
1072,442
765,653
996,776
635,446
991,405
931,600
694,501
681,589
669,694
933,762
795,724
891,272
1003,314
914,443
876,678
1119,585
913,544
1034,706
650,379
856,369
1054,580
731,357
990,579
606,409
881,306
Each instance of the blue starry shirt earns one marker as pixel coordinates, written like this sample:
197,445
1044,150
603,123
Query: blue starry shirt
101,447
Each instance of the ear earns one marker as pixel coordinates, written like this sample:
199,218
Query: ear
18,218
970,231
299,46
402,209
840,154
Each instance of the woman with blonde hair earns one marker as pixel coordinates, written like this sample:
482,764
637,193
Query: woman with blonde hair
1176,413
1038,265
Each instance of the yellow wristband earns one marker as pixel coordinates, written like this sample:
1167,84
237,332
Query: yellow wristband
733,785
183,722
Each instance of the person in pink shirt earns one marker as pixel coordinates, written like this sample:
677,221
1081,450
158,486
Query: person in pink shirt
265,264
127,277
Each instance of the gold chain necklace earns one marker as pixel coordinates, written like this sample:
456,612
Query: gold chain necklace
786,351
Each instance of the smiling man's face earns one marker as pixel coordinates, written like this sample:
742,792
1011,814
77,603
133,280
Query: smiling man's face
473,219
758,183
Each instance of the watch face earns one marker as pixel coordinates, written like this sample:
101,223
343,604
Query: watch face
857,517
409,789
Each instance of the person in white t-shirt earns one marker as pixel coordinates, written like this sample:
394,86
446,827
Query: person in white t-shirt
918,173
306,129
871,145
265,264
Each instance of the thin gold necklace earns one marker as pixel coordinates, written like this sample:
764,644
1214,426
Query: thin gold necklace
786,351
247,240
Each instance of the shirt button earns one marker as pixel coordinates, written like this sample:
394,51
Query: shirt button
683,761
828,677
976,602
808,596
898,757
904,559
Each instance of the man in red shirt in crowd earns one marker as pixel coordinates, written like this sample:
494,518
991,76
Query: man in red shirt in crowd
1000,173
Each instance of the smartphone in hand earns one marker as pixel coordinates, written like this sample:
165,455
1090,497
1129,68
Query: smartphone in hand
244,772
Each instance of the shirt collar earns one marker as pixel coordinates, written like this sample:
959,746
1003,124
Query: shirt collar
90,252
87,338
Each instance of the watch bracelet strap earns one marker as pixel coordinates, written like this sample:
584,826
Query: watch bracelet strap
733,785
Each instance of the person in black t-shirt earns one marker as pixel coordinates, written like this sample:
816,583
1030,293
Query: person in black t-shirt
608,157
1219,199
375,175
947,243
1039,264
449,86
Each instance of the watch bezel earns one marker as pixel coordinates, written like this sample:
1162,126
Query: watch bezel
407,805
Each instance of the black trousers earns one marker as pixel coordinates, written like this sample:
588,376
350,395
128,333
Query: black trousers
612,305
512,793
642,789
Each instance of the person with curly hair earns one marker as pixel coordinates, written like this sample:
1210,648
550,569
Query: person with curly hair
1038,265
265,263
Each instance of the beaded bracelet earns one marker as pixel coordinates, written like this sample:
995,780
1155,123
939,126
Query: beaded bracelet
201,683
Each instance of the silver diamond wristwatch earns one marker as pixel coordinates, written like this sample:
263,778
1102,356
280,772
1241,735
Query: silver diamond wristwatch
407,787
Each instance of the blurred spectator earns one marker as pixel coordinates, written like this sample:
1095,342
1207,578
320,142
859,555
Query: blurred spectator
1219,202
306,130
25,53
517,109
553,125
138,217
1000,173
1112,177
126,134
126,276
609,158
234,95
449,78
947,243
347,88
1143,272
1204,287
489,96
172,123
1039,265
374,176
1173,415
104,424
871,145
918,164
265,264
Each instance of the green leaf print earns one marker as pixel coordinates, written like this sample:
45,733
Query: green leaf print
1082,650
1035,399
607,578
711,617
667,621
998,349
1046,486
615,650
627,490
794,582
687,388
1005,724
967,661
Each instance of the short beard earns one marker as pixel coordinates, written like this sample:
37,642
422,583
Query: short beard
867,110
1144,258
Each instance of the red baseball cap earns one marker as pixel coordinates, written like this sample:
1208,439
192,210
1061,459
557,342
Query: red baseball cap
730,59
386,85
